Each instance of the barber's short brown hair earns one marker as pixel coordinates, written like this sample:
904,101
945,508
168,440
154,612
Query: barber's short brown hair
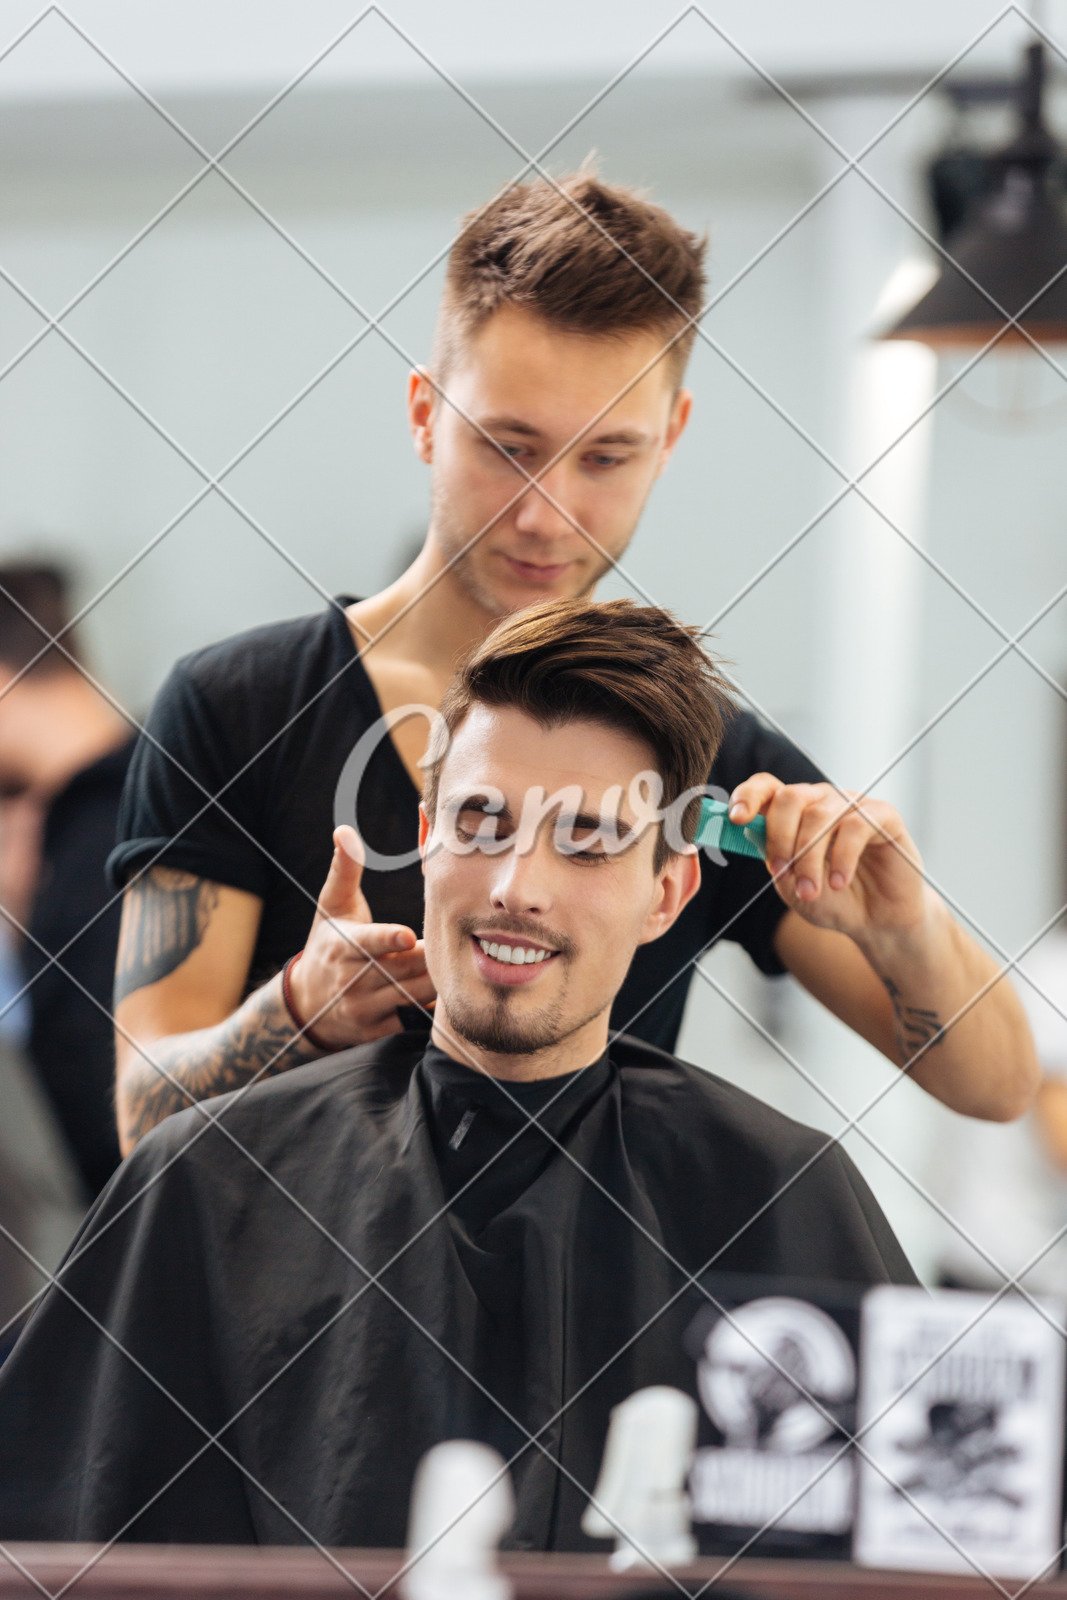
587,256
633,668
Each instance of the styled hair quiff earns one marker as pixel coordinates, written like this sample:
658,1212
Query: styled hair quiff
587,256
633,668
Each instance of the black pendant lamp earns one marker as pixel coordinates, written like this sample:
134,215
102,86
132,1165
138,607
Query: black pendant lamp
1014,244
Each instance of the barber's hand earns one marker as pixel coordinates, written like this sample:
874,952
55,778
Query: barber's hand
856,871
336,964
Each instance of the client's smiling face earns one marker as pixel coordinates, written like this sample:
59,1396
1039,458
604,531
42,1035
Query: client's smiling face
530,930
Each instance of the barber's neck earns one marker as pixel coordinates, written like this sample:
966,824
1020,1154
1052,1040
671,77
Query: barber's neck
430,616
579,1049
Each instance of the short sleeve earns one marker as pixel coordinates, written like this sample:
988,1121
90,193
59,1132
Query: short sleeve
747,908
190,798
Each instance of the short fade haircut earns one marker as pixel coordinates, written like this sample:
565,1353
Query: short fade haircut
586,256
633,668
34,608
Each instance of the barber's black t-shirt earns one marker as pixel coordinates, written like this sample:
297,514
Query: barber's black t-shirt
249,764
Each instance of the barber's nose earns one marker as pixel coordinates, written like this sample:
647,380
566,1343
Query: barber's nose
521,882
544,508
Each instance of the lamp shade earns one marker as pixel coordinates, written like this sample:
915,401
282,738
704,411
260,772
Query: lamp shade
1013,246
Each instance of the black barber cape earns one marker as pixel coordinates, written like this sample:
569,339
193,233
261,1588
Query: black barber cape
264,1324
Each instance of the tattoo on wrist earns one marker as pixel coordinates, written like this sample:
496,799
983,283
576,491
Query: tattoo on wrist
917,1029
257,1042
167,913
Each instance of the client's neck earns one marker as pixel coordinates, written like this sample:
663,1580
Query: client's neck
578,1049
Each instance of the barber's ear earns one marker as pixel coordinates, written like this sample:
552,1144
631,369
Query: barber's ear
421,413
676,884
681,407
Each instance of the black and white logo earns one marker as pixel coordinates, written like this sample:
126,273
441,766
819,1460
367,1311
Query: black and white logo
775,1375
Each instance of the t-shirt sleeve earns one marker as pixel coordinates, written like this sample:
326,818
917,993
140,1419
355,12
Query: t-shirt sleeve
190,798
747,906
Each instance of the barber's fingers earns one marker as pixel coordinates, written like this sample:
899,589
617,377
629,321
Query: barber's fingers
823,815
350,943
852,835
342,893
752,797
783,815
387,1000
371,970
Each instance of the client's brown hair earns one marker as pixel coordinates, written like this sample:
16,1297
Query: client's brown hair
633,668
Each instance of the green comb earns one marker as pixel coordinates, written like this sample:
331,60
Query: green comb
716,829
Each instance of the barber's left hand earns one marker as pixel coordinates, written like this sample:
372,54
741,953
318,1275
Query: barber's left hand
854,870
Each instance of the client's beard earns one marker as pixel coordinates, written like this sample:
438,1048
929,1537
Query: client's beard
494,1027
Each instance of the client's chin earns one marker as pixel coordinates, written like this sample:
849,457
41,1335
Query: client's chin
496,1028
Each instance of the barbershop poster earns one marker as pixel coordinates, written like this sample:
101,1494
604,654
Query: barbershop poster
961,1428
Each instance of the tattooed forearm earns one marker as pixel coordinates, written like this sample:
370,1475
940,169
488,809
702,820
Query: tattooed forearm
917,1029
166,915
258,1041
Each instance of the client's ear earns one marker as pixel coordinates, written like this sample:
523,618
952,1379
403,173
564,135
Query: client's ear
421,413
424,833
676,883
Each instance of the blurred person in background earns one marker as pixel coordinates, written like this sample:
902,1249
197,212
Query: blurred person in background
41,1197
64,751
1007,1187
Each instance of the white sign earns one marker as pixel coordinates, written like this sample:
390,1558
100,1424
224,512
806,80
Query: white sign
961,1414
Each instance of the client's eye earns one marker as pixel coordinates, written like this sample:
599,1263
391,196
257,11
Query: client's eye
473,822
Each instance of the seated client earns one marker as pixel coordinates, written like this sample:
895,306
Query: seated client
288,1294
